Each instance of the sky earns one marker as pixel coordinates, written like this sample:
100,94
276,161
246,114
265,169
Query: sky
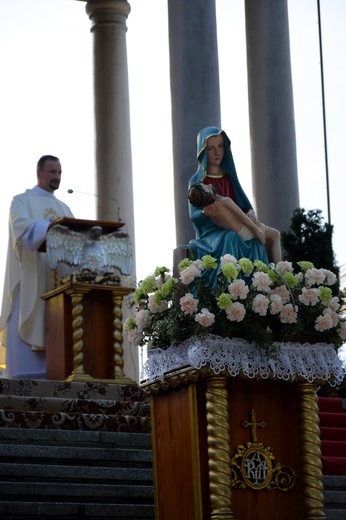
47,108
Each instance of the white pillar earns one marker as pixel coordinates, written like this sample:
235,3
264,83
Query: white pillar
194,73
272,128
114,185
112,111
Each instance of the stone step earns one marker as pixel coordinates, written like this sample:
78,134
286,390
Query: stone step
74,492
51,472
44,510
75,474
108,440
11,453
335,497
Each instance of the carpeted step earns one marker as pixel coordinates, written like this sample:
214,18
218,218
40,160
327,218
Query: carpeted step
334,465
333,448
70,390
333,434
333,420
74,421
330,404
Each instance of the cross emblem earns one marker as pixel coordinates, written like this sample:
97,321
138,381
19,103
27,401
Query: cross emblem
253,424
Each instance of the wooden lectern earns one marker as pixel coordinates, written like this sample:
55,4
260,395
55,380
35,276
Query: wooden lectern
84,324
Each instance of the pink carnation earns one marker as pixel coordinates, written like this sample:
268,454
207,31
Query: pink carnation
333,315
334,303
228,259
188,304
143,319
283,292
284,267
188,274
275,304
236,312
261,281
135,337
330,277
323,322
238,289
260,304
205,318
309,296
153,307
315,276
288,314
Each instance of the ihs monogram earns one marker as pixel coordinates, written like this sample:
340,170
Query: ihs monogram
50,214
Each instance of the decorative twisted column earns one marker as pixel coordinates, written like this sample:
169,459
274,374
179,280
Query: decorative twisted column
118,337
78,373
219,457
54,278
119,375
311,457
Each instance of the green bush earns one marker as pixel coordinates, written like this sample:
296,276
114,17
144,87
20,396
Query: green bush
310,239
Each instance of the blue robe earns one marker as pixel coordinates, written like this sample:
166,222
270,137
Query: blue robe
212,239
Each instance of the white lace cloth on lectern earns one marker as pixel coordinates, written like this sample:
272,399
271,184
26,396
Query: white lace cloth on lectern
319,362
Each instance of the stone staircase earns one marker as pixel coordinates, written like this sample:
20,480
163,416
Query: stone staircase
83,450
74,450
335,497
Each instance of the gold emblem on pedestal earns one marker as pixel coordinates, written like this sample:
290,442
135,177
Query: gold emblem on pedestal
254,465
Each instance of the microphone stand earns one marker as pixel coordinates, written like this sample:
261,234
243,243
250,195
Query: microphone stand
99,196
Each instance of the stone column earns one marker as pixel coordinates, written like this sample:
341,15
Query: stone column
194,72
272,129
114,185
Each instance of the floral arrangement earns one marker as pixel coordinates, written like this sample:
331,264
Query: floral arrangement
251,300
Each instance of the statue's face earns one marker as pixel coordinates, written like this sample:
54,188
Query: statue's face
215,151
210,191
209,188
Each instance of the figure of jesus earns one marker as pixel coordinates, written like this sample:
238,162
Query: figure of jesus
224,212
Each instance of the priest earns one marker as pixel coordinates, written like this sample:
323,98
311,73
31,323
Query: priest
28,275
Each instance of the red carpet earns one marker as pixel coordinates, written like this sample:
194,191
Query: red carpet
333,435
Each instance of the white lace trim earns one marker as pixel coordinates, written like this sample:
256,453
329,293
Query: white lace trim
312,363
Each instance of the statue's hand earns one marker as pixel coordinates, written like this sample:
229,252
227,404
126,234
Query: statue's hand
252,216
261,236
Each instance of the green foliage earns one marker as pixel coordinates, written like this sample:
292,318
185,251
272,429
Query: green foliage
310,239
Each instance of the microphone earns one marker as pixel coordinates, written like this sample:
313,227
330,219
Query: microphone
101,197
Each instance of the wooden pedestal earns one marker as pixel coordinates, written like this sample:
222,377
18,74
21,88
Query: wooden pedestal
84,332
203,425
